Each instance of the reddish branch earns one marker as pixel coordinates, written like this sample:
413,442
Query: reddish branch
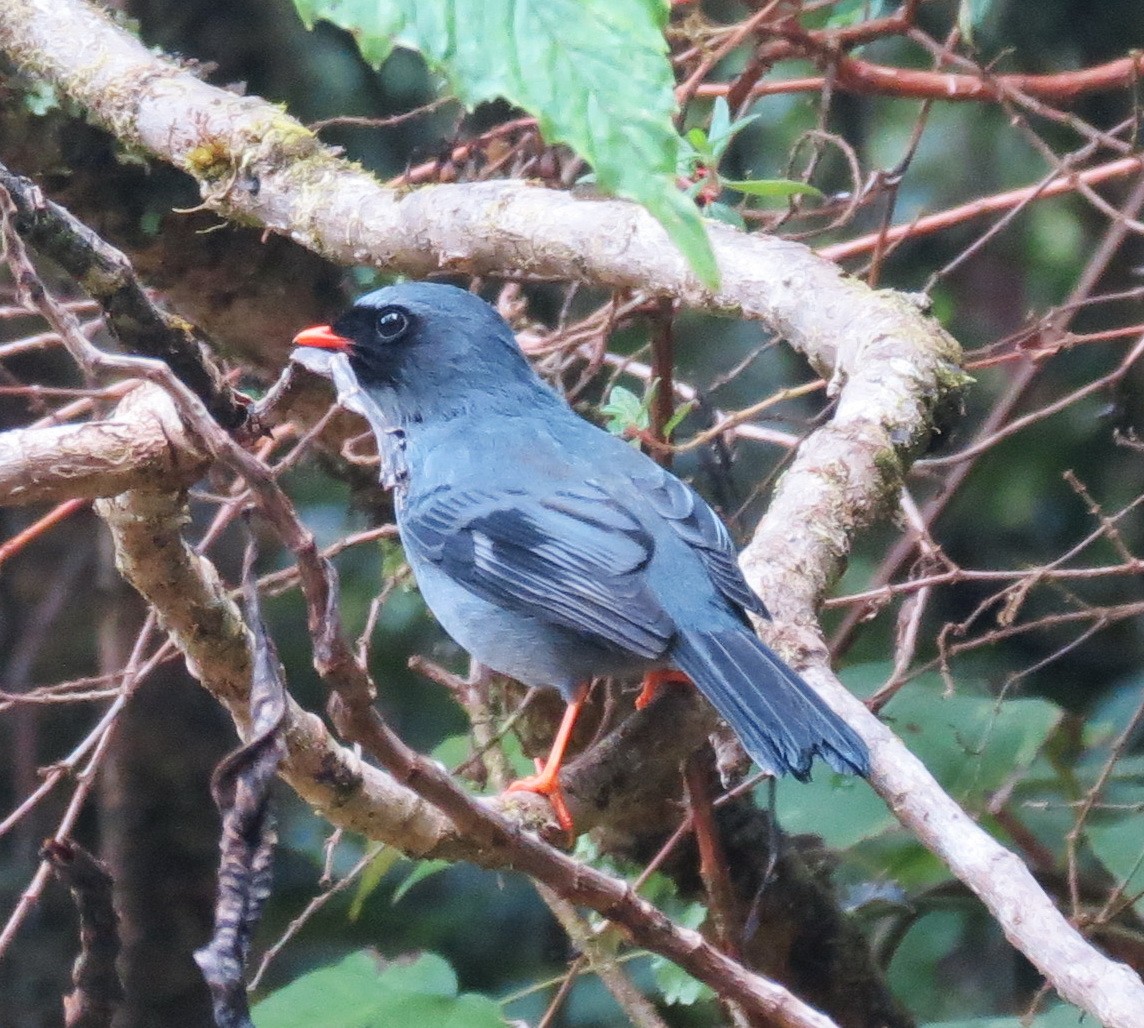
986,205
10,547
852,75
863,77
784,38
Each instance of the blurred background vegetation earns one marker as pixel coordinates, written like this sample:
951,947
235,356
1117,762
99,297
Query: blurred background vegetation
1019,703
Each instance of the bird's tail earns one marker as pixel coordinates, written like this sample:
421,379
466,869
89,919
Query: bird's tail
781,721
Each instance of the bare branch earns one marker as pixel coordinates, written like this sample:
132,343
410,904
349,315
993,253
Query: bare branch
145,444
108,277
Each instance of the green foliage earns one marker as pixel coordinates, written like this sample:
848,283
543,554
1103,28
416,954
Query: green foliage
915,972
594,73
707,148
359,992
421,870
971,743
771,188
1117,844
627,414
625,411
970,15
699,159
676,986
392,558
371,878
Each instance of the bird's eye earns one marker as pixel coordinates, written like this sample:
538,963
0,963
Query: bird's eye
392,324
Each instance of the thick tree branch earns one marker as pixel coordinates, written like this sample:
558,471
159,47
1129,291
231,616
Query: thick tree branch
144,445
890,368
255,163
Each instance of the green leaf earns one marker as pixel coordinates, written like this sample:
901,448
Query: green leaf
371,878
1114,830
771,187
723,131
915,970
594,73
624,410
970,16
681,220
722,212
720,121
422,869
680,413
453,749
698,139
676,985
361,992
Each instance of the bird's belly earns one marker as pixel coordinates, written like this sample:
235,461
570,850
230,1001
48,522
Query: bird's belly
535,652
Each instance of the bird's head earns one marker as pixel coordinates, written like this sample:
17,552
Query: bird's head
424,351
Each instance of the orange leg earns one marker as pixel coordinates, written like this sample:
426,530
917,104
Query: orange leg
654,679
547,782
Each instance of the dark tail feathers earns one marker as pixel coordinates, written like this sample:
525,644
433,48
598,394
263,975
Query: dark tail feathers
781,721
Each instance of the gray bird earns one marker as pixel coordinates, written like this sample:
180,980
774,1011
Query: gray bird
552,551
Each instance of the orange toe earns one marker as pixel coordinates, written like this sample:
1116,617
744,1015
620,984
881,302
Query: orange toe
547,781
654,679
546,785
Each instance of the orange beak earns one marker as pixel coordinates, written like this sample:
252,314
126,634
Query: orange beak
323,337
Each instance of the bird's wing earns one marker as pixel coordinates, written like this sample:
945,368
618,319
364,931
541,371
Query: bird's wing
573,556
699,526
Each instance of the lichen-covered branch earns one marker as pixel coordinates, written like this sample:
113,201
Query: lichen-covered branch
206,624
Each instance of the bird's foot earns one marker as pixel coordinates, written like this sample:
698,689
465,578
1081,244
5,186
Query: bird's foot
654,679
546,783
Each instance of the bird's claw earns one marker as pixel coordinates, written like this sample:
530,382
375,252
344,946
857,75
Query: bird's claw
547,785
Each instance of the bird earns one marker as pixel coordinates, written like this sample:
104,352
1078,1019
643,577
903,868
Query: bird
551,550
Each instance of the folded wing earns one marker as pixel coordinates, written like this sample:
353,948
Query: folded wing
573,556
